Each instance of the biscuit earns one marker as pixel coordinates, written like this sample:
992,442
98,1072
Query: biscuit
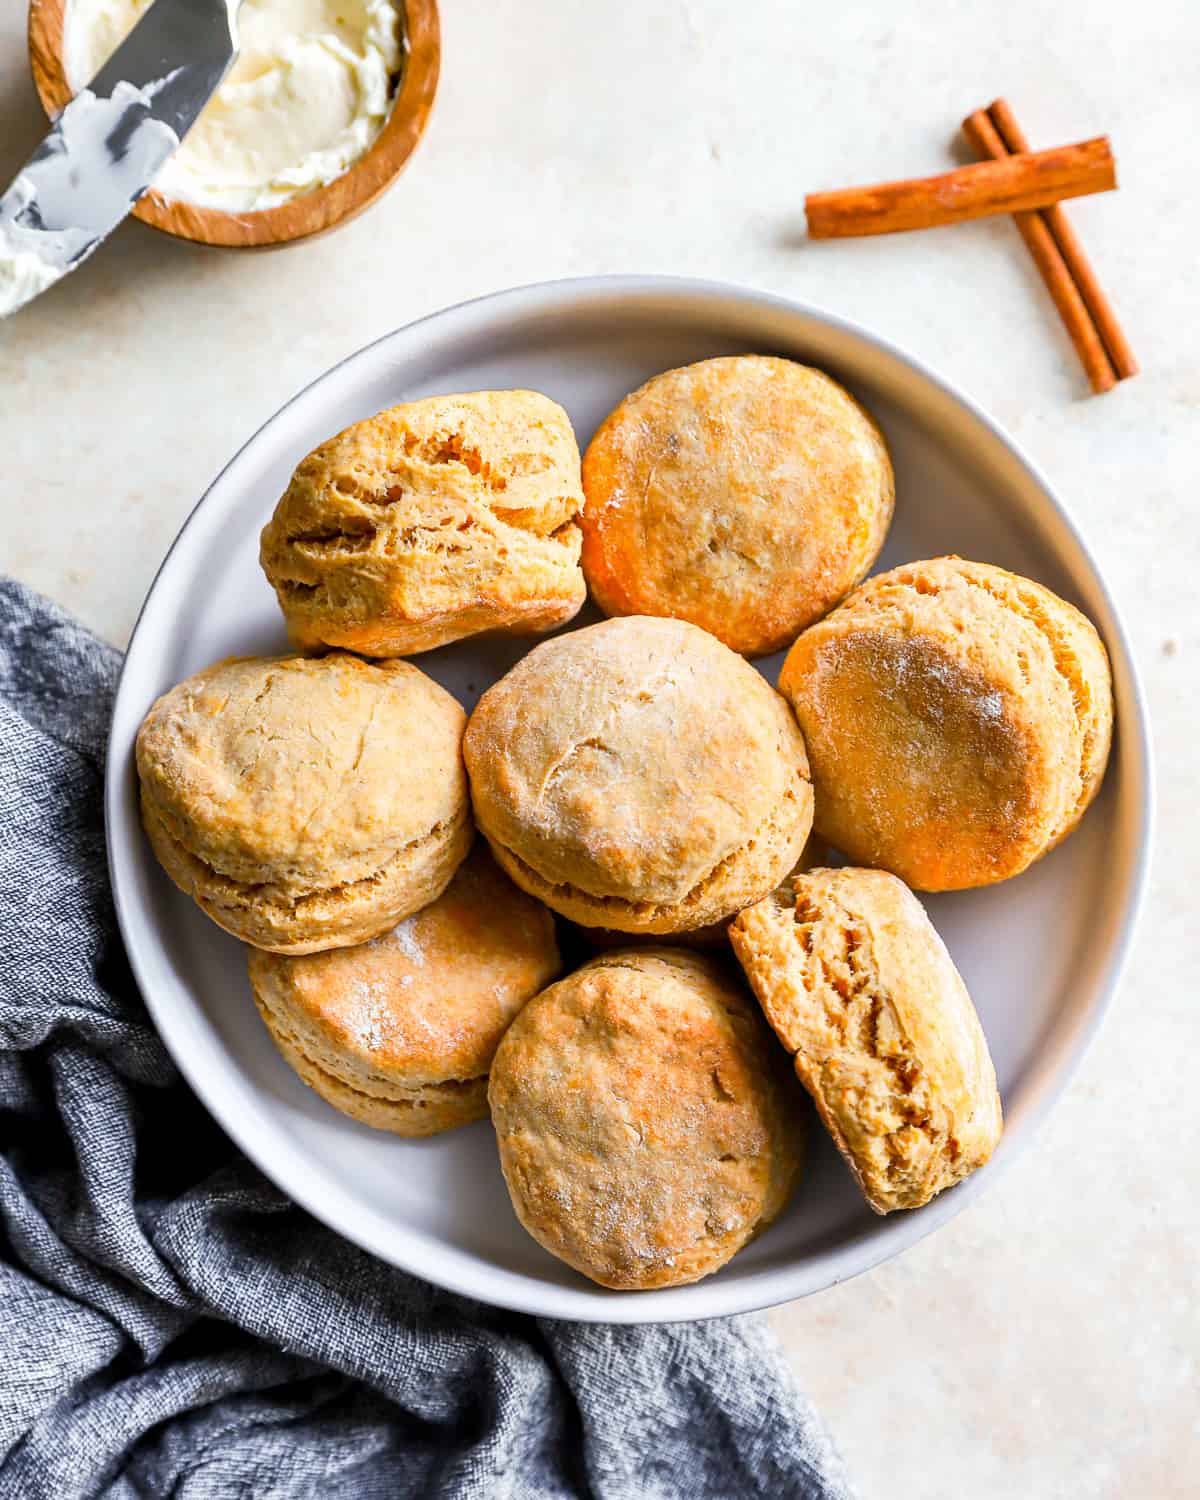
958,721
429,522
638,775
860,989
306,804
747,495
714,937
400,1032
647,1125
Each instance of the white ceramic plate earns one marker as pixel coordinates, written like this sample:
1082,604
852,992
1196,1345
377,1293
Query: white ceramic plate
1041,954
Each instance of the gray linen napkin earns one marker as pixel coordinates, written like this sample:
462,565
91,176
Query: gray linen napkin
170,1324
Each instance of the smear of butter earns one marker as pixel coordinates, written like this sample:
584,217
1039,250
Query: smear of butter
309,93
24,272
77,187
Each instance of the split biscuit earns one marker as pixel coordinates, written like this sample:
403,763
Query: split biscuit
860,989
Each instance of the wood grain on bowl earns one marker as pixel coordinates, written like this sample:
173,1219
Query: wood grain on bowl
312,213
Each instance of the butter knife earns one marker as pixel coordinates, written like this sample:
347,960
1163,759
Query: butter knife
108,145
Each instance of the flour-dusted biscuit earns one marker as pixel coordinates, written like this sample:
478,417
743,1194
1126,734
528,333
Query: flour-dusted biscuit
746,494
860,989
957,718
429,522
400,1032
306,804
647,1125
638,775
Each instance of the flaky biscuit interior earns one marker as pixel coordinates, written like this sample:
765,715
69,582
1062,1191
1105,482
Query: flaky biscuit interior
431,521
860,989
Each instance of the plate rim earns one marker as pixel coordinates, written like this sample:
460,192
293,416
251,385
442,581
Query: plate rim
773,1285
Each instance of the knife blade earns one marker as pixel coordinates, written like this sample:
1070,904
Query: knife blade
110,142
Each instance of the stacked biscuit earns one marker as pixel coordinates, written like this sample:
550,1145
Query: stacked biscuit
942,726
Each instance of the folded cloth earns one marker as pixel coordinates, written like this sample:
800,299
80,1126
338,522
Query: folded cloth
170,1324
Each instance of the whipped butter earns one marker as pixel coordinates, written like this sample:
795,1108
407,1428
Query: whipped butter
24,271
309,93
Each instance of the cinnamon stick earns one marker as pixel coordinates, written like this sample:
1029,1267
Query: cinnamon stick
983,136
1071,247
1009,185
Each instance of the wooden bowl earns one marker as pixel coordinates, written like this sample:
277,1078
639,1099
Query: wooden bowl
311,213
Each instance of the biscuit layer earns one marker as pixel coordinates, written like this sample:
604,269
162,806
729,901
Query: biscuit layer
712,938
422,1111
638,775
746,494
306,803
858,986
272,916
958,721
646,1122
400,1032
429,522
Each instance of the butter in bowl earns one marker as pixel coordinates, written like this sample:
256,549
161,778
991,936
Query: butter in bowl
318,115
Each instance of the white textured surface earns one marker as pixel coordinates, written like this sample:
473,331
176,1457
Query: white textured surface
1047,1342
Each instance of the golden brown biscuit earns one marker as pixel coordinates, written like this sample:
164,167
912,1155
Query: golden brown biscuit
430,522
647,1125
638,775
400,1032
958,720
860,988
713,938
747,495
306,804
